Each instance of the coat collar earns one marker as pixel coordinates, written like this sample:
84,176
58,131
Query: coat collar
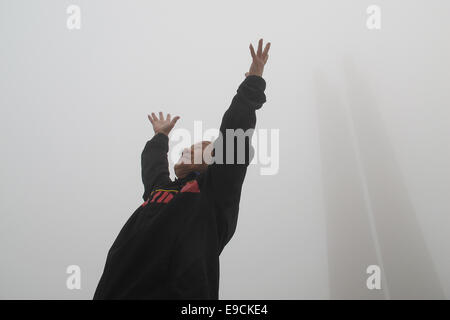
192,175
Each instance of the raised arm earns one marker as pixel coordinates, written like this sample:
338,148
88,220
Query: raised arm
224,180
155,166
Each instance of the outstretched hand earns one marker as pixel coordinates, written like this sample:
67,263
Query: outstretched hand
161,125
259,59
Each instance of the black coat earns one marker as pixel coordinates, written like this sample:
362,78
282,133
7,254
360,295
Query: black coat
169,248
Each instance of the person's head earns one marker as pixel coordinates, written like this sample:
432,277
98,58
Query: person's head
195,158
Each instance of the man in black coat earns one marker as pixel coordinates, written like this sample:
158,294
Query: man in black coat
169,248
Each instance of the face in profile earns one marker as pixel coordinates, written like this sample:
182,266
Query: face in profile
195,158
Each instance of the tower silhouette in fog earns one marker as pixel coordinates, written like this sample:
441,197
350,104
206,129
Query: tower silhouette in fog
369,215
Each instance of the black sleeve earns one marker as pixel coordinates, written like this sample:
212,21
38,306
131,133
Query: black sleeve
223,182
155,167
